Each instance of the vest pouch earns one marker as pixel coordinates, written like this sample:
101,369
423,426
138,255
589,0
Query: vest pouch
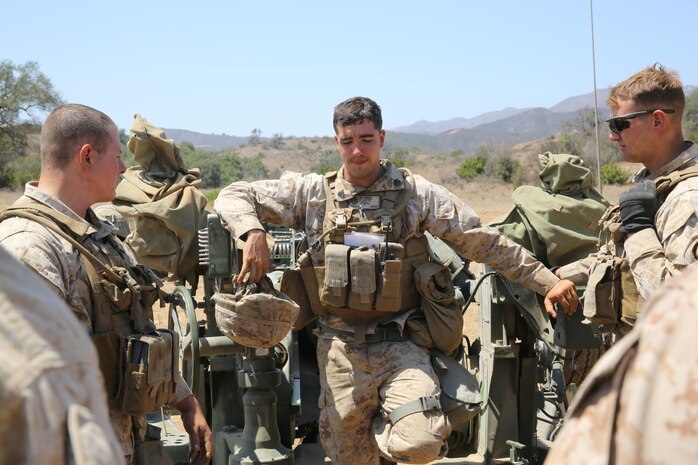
335,283
388,298
119,298
310,281
631,301
603,293
150,374
362,268
109,349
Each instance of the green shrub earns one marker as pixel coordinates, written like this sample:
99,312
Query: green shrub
472,168
211,196
329,160
507,169
613,174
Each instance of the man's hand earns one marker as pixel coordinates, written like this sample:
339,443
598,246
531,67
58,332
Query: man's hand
200,438
638,205
563,293
255,257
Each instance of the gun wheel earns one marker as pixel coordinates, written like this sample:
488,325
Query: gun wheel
579,363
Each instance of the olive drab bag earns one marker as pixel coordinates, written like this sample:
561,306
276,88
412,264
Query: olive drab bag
557,221
162,203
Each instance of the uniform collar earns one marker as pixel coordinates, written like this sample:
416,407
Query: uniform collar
80,226
392,179
685,158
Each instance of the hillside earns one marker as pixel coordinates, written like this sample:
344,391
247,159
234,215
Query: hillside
507,126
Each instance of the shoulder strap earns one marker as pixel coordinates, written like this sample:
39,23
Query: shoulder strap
665,184
34,213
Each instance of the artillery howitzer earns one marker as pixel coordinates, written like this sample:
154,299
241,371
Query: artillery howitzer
262,403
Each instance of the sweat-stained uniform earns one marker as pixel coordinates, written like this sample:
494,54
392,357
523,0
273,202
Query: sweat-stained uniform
362,382
58,262
639,404
54,409
655,254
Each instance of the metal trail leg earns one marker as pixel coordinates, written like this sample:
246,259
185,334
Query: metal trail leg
260,442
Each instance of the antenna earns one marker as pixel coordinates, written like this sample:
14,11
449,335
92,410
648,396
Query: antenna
596,104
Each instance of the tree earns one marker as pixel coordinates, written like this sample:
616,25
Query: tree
255,137
277,140
25,93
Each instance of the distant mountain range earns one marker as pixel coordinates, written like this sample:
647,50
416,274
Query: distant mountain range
507,126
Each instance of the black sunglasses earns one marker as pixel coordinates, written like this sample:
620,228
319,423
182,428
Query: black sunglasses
622,122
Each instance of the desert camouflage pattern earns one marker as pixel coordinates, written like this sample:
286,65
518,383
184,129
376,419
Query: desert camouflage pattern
639,404
59,264
662,252
298,201
255,320
54,409
358,380
363,382
655,255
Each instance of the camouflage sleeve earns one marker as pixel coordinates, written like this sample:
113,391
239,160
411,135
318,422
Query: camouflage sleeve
39,251
577,272
446,216
244,205
655,255
639,403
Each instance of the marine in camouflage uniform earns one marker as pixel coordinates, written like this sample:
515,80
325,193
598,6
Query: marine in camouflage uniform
639,404
81,165
59,263
662,230
54,406
363,382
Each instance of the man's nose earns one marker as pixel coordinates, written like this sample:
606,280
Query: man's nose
612,136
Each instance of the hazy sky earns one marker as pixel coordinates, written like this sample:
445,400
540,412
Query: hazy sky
281,66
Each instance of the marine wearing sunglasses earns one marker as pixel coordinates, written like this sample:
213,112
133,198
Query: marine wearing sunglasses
617,124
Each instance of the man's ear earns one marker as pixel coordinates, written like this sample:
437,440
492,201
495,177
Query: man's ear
85,155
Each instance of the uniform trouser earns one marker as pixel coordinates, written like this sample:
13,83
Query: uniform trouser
361,383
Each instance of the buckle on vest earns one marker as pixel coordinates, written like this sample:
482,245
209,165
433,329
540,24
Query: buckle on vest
341,220
386,222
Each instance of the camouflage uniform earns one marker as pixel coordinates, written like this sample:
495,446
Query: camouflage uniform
359,380
56,260
640,402
54,409
665,250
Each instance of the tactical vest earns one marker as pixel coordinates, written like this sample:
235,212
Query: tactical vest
615,294
139,363
369,265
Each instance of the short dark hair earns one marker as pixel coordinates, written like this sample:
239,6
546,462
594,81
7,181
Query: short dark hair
355,110
653,87
69,125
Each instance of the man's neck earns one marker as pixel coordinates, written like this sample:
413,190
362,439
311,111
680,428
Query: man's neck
73,196
664,157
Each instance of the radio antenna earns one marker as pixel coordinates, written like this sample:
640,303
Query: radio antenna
596,104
